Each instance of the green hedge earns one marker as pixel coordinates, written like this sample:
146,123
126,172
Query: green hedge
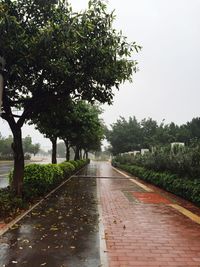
188,189
41,178
183,161
67,168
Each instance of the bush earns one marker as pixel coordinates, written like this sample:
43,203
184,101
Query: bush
74,163
40,179
67,168
183,161
79,163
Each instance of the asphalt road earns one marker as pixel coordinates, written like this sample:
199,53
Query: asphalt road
5,167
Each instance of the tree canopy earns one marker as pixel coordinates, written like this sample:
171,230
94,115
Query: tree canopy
128,135
6,143
77,123
52,52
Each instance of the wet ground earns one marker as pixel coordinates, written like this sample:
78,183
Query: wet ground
61,232
5,167
143,226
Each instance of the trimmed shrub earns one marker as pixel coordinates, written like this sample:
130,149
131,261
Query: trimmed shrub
79,163
74,163
40,179
67,168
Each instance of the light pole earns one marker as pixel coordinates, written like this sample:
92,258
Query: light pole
2,65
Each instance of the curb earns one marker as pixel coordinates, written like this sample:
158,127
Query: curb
102,240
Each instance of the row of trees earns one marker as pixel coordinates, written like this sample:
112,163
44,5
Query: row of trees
6,151
53,57
77,124
128,135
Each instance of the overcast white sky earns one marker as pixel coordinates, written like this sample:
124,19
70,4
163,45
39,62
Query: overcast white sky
167,85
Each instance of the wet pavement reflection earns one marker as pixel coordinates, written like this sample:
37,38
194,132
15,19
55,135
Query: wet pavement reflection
61,232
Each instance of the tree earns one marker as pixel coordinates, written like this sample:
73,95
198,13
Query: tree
5,147
77,123
53,122
125,135
28,147
86,131
149,131
194,128
61,149
51,52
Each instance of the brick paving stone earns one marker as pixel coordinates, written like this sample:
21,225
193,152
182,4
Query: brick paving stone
2,225
145,234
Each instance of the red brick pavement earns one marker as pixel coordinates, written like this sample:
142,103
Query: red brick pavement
140,234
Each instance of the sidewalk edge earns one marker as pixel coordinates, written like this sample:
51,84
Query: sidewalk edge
102,241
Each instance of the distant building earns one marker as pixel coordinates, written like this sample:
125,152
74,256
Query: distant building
177,144
144,150
136,152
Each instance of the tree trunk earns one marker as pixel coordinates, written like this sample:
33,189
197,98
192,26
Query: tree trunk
67,149
18,173
86,154
54,150
80,154
77,153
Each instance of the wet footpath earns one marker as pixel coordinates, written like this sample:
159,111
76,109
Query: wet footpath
103,217
61,232
145,226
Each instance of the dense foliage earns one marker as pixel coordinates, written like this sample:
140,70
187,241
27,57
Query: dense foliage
6,152
51,53
41,178
77,123
128,135
182,161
